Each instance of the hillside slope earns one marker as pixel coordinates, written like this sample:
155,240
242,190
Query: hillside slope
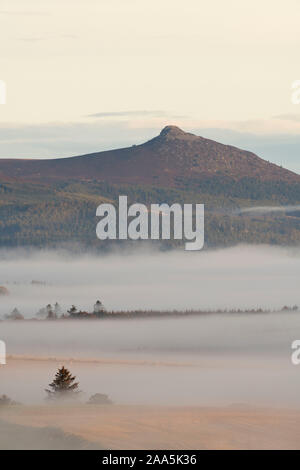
172,159
47,203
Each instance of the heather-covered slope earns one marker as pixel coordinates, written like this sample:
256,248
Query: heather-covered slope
173,159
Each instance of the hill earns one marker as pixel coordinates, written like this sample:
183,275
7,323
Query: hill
172,159
53,202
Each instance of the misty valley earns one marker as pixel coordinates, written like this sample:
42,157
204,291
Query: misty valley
189,321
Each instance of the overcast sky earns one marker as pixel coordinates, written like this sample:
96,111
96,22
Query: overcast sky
85,76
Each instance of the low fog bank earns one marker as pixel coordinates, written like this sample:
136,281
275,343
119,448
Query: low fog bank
157,339
208,360
240,277
267,209
212,359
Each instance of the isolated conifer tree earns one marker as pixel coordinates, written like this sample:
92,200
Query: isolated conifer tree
57,309
51,315
99,307
63,385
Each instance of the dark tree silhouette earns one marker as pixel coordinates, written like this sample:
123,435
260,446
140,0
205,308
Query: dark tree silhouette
73,311
63,385
14,315
99,308
51,315
99,399
57,309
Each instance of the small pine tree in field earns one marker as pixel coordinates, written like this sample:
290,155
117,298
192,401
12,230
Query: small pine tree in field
63,385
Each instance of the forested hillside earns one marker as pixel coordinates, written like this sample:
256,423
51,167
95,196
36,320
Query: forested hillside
64,213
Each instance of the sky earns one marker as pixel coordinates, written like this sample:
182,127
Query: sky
99,74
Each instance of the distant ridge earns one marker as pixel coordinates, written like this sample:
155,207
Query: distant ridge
172,159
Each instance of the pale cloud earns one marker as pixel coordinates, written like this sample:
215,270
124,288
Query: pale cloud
268,209
288,117
117,114
22,12
273,126
32,39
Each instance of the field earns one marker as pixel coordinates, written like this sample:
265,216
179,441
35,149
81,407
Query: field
148,427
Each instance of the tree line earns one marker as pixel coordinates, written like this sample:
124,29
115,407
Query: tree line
99,312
